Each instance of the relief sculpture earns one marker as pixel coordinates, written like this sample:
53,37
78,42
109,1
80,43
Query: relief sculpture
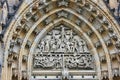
62,46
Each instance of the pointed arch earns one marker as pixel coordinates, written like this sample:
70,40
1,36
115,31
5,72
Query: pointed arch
35,19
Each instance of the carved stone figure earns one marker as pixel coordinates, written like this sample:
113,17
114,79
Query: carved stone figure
42,46
68,46
47,46
85,49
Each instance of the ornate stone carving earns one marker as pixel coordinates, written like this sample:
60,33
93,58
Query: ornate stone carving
65,74
94,10
105,74
48,20
19,40
62,41
100,16
43,2
23,21
101,30
49,8
11,50
91,19
90,32
26,28
36,31
18,28
28,14
98,44
35,18
24,58
113,57
106,23
63,3
24,74
78,22
15,35
110,30
34,8
63,14
114,36
116,72
79,10
109,42
15,72
87,5
56,61
62,46
117,44
10,61
12,44
15,56
28,44
103,59
82,2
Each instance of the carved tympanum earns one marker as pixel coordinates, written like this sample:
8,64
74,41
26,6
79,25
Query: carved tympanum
62,47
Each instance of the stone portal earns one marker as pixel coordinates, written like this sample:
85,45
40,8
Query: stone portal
62,50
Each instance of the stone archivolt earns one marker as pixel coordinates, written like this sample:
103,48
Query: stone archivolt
24,39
